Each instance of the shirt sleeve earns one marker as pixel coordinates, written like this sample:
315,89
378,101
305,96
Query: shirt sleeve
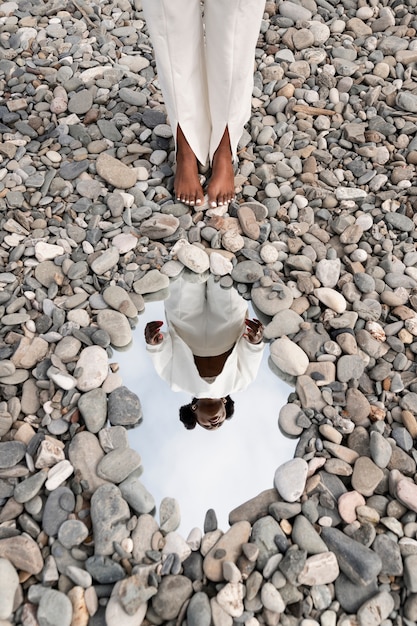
249,358
161,357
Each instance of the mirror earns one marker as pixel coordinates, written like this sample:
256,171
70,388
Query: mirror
219,469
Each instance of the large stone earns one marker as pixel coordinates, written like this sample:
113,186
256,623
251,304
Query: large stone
85,453
93,364
117,326
319,569
115,172
93,408
124,408
228,548
290,479
360,564
173,592
109,515
23,553
54,609
289,357
9,586
366,476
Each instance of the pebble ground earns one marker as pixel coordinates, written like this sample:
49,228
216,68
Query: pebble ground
322,238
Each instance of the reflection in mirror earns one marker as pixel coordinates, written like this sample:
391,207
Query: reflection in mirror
224,468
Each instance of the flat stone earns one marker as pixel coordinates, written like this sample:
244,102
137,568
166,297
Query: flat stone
59,505
359,563
198,610
290,479
106,261
136,494
115,613
93,363
80,102
23,553
366,476
109,515
11,452
115,172
331,298
254,508
85,453
93,408
194,258
263,536
247,272
320,569
124,408
230,598
30,352
289,357
8,588
306,536
350,366
390,554
104,570
347,505
117,326
173,592
120,300
286,322
116,465
159,226
264,298
72,533
54,609
288,420
406,492
272,599
152,282
228,548
376,610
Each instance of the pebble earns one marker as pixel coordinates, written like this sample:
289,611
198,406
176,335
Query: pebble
227,549
54,609
290,479
93,365
117,326
115,172
194,258
109,515
173,591
93,408
8,589
289,357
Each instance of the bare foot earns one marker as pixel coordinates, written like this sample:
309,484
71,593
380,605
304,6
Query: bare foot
221,188
187,182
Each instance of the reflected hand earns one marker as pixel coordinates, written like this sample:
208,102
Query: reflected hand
153,336
254,331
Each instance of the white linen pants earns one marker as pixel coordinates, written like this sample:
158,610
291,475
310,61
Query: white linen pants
205,66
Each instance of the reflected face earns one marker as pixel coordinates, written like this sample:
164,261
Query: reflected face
210,412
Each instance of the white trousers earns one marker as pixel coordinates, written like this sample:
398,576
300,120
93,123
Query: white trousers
205,66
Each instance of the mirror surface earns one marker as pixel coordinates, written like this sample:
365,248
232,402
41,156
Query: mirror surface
219,469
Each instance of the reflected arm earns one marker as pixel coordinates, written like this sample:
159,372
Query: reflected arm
161,356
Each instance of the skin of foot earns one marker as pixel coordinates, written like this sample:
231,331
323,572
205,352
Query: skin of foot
187,185
221,187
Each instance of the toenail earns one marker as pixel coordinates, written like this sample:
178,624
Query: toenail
198,202
213,204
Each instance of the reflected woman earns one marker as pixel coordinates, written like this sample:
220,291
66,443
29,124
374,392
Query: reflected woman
211,349
205,63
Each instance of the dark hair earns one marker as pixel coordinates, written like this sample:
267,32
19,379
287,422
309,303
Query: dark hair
188,418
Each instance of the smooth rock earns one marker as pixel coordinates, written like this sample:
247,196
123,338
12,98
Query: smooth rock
290,479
